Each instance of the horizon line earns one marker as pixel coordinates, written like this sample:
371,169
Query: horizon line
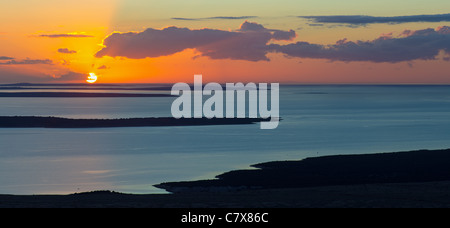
170,83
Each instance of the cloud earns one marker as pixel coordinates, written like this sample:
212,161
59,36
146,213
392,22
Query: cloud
363,20
213,18
103,67
68,35
70,76
253,42
27,61
410,45
5,58
64,62
316,24
9,75
66,51
249,42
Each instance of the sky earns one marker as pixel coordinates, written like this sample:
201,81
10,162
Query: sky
285,41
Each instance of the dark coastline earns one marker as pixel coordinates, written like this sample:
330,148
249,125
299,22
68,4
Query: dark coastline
18,88
77,94
55,122
415,179
396,195
382,168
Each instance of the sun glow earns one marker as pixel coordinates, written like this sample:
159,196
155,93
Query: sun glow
92,78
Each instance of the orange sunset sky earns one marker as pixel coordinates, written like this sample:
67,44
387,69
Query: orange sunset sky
286,41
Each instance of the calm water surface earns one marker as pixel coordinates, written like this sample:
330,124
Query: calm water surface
318,120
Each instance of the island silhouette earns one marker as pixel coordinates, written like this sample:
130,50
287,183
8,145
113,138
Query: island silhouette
58,122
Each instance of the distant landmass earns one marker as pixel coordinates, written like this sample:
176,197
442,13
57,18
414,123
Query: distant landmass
56,122
163,88
79,94
60,84
84,86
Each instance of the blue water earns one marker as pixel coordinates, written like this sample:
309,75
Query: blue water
317,121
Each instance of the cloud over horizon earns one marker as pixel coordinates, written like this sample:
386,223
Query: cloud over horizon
27,61
13,76
364,20
68,35
249,42
423,44
213,18
70,76
102,67
253,42
66,51
5,58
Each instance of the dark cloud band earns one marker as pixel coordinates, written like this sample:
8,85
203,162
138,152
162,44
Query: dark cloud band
363,20
5,58
66,51
65,36
411,45
213,18
27,62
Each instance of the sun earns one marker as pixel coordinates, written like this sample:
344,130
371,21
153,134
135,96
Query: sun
92,78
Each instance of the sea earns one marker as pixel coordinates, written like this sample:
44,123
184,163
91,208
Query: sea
317,120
